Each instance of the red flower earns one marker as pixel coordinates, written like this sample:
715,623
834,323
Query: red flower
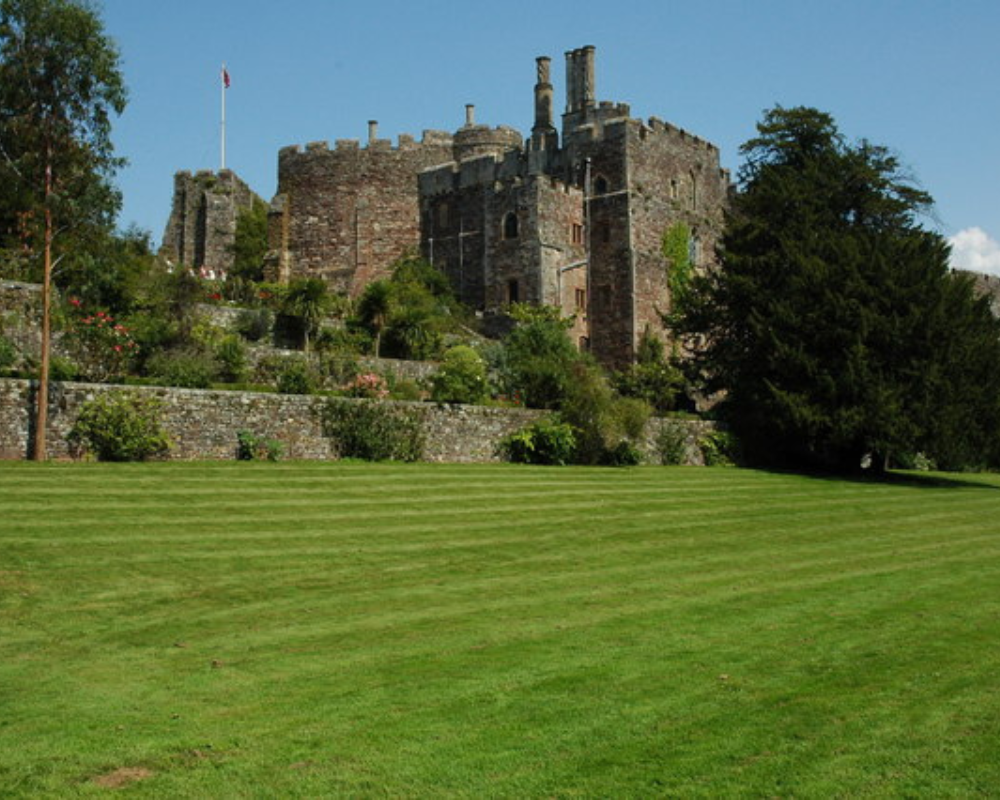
75,302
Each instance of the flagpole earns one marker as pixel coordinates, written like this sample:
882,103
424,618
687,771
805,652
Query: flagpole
222,82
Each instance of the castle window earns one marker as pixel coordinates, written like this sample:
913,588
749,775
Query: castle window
674,189
577,233
581,299
510,225
601,185
442,216
694,191
694,250
513,291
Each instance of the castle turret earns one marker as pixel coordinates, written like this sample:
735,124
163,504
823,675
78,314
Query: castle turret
472,140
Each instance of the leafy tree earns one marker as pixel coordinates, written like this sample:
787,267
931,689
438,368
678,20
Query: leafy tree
60,83
250,244
409,314
830,325
538,358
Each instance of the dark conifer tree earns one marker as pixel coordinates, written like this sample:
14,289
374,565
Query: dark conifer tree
834,325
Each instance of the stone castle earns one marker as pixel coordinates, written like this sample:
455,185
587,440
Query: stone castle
571,217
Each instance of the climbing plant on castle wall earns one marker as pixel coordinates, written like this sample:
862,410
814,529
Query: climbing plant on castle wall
676,249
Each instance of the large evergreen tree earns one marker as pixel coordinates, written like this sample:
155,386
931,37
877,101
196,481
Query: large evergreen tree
834,325
60,83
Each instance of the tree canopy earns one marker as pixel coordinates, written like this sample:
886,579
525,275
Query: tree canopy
834,326
60,83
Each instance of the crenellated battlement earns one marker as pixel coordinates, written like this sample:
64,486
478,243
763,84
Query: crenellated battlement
657,125
405,143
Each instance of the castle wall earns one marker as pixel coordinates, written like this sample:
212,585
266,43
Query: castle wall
675,178
349,212
201,230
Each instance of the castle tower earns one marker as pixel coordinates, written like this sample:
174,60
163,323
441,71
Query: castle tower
201,230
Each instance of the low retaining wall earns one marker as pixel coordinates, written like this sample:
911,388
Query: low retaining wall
204,424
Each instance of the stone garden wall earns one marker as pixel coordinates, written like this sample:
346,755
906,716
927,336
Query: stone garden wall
204,424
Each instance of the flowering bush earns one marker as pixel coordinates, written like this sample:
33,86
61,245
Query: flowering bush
368,385
100,346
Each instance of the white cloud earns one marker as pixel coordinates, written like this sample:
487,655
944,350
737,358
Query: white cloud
974,249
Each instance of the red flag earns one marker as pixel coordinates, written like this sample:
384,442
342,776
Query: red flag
225,78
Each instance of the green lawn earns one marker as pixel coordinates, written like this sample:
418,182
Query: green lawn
375,630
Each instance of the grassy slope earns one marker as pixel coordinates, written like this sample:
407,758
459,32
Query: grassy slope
316,629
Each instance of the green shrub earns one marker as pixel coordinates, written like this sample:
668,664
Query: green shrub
603,420
120,426
350,340
187,369
296,377
337,368
718,448
231,360
254,324
406,389
623,454
671,444
8,354
374,431
547,441
461,377
251,447
62,369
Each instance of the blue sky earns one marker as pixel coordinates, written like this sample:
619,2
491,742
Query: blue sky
918,76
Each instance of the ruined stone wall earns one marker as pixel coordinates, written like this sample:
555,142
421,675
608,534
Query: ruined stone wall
201,230
346,214
203,425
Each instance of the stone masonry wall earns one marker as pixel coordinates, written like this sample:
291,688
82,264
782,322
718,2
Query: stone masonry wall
675,177
346,214
20,315
204,424
202,226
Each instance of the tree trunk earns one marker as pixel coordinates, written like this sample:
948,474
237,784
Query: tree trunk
42,413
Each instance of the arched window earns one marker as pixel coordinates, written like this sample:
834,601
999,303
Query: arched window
510,225
601,185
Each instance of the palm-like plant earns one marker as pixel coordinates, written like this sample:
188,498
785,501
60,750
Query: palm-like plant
374,309
307,300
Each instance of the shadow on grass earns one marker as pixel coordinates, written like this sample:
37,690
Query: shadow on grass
914,480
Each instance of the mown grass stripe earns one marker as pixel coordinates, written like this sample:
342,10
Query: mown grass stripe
441,630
